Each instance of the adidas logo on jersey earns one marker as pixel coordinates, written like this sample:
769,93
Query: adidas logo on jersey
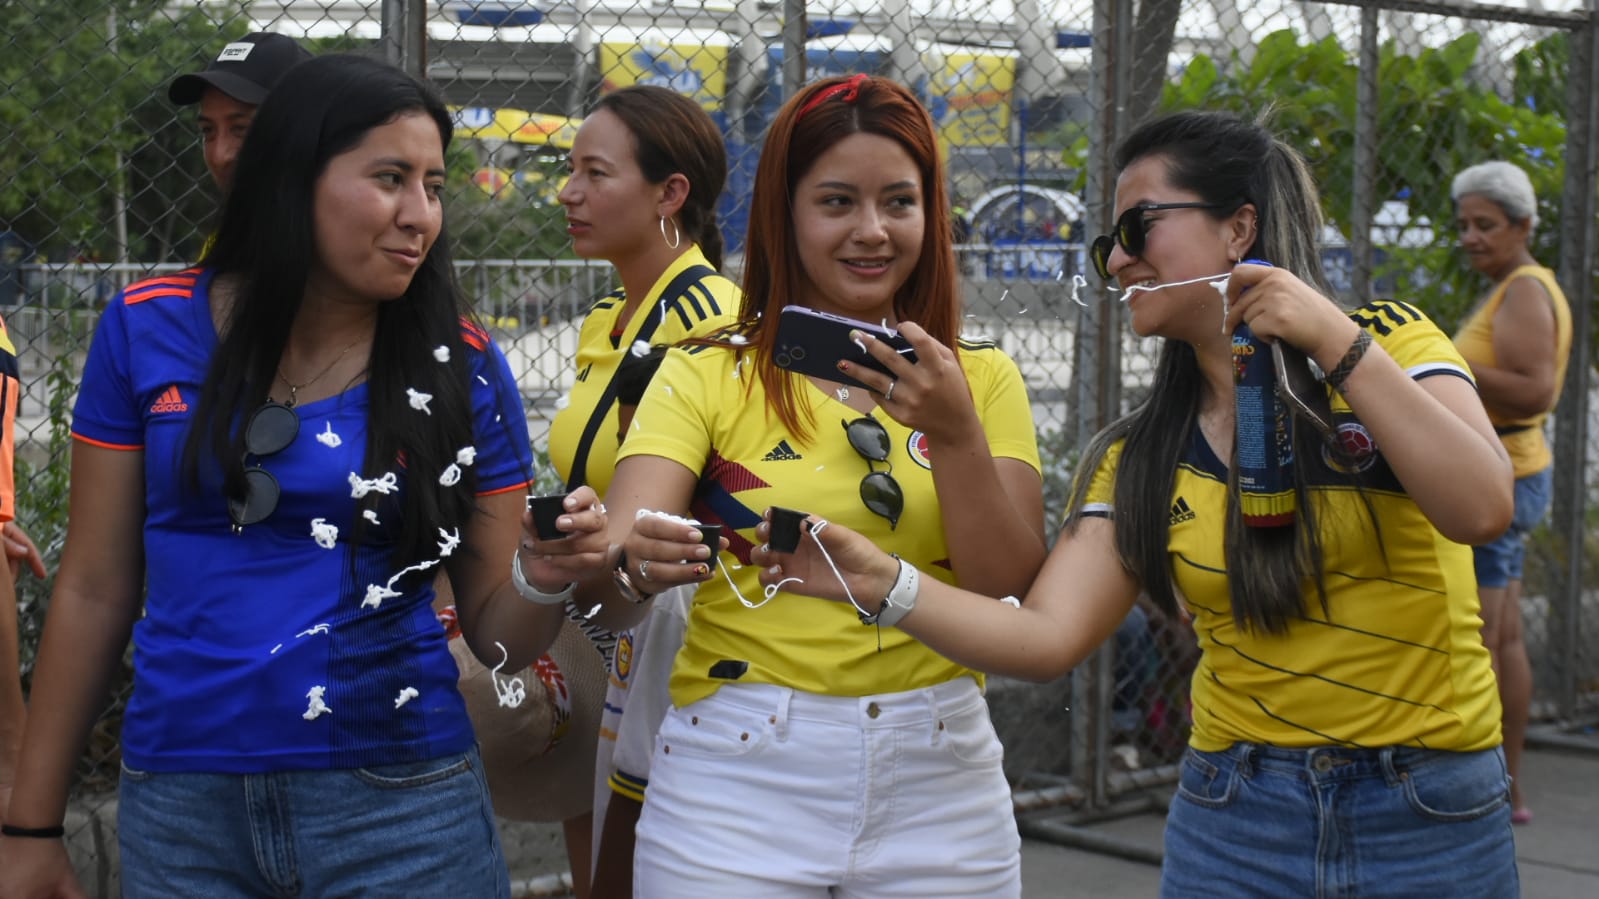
782,453
1180,511
169,401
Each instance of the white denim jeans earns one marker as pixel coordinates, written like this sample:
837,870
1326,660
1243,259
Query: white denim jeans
761,790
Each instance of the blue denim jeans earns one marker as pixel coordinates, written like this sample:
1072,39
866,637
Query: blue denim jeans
1330,822
412,829
1499,561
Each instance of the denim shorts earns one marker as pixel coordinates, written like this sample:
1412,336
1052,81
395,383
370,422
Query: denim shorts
1499,562
412,829
1392,822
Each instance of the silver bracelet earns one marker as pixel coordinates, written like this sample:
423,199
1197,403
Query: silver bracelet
533,594
901,597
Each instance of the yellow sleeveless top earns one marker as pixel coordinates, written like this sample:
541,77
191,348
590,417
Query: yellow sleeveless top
1523,437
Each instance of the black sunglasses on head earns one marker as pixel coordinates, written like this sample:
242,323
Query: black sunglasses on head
1130,231
879,491
270,429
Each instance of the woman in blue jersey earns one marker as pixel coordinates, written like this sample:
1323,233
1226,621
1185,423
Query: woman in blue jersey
1346,724
808,754
275,453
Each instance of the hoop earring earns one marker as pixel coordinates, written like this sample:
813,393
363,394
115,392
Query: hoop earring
677,236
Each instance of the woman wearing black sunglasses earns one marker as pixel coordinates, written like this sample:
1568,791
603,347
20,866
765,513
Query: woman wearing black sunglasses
275,453
1346,723
807,750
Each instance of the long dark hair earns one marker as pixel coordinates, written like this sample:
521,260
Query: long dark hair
1224,160
671,134
266,247
799,135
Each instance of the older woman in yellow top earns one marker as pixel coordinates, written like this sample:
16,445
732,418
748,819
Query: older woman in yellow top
1516,342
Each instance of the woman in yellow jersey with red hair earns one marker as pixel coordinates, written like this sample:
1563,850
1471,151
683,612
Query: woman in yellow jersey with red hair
807,754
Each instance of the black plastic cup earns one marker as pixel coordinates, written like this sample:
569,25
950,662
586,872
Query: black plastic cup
546,509
786,525
711,535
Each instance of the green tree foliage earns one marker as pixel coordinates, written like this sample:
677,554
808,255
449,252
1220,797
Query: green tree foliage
82,87
84,118
1433,119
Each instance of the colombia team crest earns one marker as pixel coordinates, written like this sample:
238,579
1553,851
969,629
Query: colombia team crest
916,448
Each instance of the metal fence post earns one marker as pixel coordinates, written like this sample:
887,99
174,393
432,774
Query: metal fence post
405,35
1576,273
1360,216
794,46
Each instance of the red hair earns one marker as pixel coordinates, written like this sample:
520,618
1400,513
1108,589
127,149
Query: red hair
807,126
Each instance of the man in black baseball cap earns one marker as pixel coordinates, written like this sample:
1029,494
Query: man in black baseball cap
230,89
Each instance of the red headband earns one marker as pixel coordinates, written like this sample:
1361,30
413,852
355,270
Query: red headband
850,89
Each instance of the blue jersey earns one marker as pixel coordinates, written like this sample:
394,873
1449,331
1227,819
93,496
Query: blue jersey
259,651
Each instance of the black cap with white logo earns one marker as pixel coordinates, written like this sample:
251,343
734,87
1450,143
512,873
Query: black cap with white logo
245,70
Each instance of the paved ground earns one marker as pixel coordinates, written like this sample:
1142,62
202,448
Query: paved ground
1558,852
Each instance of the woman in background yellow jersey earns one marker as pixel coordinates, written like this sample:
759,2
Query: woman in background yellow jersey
1516,341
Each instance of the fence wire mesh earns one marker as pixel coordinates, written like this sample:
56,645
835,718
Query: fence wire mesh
106,184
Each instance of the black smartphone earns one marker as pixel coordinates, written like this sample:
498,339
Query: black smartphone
1299,387
813,343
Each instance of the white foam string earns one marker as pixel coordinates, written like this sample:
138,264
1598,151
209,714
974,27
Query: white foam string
407,694
419,400
314,629
512,692
450,476
326,535
1221,288
329,439
376,593
1078,283
441,353
1129,291
315,707
448,541
385,485
815,532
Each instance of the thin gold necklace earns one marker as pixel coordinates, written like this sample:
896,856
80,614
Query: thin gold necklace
294,389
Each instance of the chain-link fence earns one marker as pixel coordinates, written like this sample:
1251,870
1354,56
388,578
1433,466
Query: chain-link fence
105,184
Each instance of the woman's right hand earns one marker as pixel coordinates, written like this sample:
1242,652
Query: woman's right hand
663,553
36,869
867,570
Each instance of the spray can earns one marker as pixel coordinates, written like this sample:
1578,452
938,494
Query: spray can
1263,434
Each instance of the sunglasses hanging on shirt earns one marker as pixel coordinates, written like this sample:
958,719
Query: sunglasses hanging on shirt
879,491
270,430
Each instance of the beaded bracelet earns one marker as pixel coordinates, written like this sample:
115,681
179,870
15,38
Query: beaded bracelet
1352,356
38,833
